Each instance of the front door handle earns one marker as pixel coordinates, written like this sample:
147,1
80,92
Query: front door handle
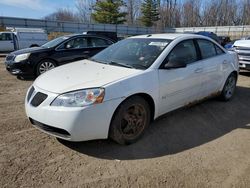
86,52
198,70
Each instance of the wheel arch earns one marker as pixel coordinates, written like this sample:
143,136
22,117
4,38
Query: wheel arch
148,98
44,59
235,73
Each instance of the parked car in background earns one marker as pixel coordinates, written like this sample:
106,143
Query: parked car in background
108,34
119,91
20,38
224,40
35,61
242,48
210,35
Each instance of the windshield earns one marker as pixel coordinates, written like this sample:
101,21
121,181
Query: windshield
54,42
137,53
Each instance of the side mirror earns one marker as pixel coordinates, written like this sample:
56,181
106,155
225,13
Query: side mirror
174,65
68,46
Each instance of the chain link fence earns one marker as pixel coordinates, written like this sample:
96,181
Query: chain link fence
71,27
235,32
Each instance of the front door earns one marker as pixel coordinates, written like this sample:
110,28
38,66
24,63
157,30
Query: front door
73,50
180,86
6,42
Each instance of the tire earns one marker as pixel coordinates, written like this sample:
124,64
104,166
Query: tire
130,121
44,66
229,88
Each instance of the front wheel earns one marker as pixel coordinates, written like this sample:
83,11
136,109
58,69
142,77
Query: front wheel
130,121
229,88
44,66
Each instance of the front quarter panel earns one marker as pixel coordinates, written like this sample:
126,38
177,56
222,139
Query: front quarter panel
145,82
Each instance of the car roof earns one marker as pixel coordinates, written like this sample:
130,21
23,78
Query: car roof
89,35
170,36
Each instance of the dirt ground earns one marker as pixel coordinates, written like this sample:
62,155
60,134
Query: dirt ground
207,145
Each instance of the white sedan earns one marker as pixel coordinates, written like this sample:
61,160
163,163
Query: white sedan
119,91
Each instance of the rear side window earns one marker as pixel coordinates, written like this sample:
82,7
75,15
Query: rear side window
183,52
99,42
219,51
207,48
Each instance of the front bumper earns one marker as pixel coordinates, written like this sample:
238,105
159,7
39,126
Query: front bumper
71,123
22,68
244,64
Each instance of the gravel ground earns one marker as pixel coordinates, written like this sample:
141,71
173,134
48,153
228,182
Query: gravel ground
206,145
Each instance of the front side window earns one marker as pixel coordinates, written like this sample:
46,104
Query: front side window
134,52
184,52
54,42
207,48
76,43
5,37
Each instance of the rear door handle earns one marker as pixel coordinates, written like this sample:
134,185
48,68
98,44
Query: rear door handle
86,52
224,62
198,70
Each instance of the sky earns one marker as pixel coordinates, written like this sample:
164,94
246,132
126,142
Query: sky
33,8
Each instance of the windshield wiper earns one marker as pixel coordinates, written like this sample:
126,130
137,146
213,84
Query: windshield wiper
121,64
97,61
140,66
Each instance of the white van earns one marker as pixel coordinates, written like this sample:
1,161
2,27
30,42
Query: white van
20,38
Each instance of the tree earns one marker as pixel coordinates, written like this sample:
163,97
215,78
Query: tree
84,8
109,12
62,14
150,12
133,9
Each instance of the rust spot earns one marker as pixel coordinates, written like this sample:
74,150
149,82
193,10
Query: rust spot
212,95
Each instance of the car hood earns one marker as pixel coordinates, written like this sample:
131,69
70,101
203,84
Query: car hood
242,43
29,50
80,75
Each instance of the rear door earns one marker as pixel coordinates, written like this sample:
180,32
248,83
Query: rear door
215,61
97,44
180,86
6,42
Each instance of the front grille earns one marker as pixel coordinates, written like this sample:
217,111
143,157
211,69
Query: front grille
242,48
243,53
32,89
38,99
10,57
53,130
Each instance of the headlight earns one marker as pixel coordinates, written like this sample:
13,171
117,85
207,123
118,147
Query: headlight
21,57
80,98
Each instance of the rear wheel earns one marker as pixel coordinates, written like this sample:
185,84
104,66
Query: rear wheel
44,66
130,121
229,88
